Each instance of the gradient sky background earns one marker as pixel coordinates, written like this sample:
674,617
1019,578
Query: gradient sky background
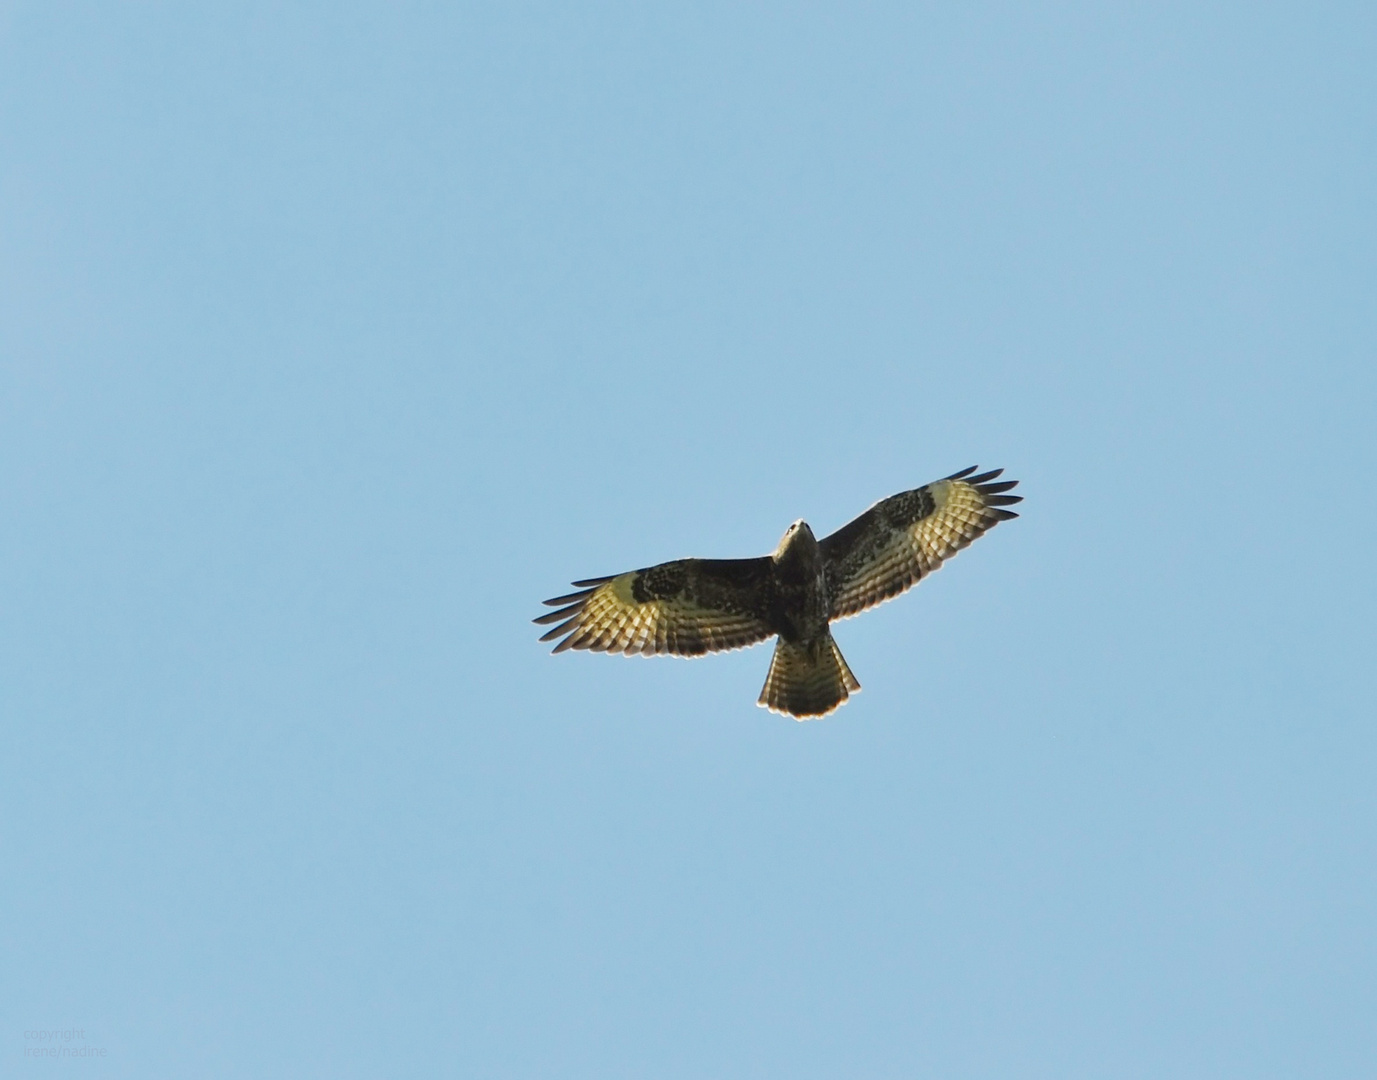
335,337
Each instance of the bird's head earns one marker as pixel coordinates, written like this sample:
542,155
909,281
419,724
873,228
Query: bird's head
797,538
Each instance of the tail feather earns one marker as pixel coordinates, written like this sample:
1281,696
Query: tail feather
807,679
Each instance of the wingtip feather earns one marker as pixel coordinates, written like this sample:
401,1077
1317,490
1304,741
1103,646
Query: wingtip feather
568,626
556,616
569,598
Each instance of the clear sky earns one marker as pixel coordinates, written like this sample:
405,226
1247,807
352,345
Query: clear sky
334,337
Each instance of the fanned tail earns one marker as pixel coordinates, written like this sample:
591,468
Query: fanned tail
807,679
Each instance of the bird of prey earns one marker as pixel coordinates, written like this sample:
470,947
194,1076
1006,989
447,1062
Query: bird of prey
694,606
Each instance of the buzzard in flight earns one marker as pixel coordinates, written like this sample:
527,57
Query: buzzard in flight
694,606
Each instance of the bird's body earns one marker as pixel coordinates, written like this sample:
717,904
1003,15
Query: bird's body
800,611
692,606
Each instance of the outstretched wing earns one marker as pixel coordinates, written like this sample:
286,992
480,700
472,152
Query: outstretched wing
688,607
898,540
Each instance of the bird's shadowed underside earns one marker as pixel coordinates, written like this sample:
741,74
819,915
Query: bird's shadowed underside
694,606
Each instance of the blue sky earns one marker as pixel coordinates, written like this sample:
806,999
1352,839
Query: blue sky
334,337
